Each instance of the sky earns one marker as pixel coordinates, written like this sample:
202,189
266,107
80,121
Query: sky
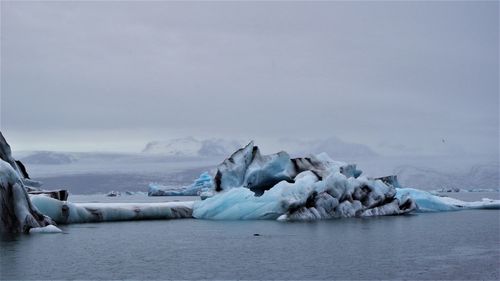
401,77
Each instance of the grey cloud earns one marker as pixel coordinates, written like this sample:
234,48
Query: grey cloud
405,73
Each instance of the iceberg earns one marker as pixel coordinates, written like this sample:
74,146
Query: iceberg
202,183
248,185
248,168
17,213
308,198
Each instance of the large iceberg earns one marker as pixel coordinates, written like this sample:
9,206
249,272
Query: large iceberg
249,185
17,213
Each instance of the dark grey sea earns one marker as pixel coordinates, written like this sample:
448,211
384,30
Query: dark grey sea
452,245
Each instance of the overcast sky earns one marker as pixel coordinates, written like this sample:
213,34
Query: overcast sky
399,77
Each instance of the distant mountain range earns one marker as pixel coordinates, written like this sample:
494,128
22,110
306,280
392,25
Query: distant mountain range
48,158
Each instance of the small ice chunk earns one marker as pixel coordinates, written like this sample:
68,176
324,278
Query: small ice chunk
46,229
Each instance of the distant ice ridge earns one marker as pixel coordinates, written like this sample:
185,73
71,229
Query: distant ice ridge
203,183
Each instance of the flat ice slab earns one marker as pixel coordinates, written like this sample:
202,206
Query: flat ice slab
67,212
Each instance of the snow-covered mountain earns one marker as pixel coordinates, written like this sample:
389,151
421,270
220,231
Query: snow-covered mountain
191,147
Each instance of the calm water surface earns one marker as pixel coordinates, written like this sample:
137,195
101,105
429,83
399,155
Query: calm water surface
454,245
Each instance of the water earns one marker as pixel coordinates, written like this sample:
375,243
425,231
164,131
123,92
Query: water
454,245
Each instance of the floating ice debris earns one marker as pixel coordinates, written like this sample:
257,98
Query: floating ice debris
45,229
114,194
203,182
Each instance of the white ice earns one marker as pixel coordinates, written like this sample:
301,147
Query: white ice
334,197
46,229
67,212
17,213
427,202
